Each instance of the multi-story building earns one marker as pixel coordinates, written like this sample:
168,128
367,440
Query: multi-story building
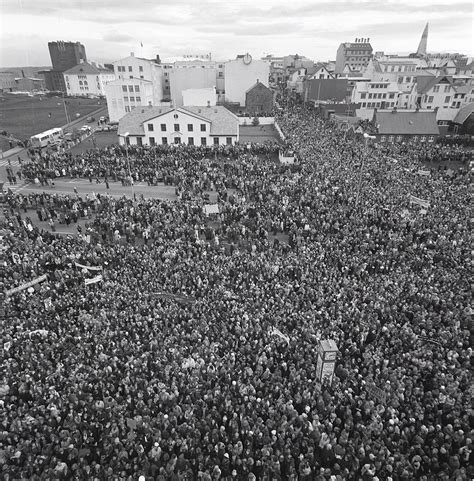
123,96
87,79
375,94
241,74
64,55
193,125
193,74
138,82
353,56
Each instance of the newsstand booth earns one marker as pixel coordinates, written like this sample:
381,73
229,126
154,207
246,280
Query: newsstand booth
327,354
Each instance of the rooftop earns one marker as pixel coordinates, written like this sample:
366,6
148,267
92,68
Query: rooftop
393,122
87,69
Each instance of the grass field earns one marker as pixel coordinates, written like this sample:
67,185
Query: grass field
258,134
24,116
102,139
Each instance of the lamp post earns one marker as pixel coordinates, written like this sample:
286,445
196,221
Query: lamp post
366,139
125,136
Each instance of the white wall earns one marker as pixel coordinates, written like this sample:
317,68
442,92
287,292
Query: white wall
184,78
261,120
119,102
199,97
87,84
239,77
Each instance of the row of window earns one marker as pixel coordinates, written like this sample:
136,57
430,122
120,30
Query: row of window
131,88
177,140
436,88
373,105
399,68
130,68
399,138
81,83
176,127
377,96
132,99
430,99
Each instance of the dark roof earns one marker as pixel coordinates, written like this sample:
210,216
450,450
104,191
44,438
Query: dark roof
408,122
223,121
259,85
86,68
425,82
464,113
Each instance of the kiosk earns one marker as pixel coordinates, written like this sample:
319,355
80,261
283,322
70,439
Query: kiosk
327,353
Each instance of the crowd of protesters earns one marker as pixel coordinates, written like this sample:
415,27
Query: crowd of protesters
167,367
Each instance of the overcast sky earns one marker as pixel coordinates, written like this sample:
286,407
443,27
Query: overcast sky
111,29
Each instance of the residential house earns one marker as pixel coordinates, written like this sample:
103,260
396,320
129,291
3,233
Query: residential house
204,126
87,79
405,125
259,99
353,56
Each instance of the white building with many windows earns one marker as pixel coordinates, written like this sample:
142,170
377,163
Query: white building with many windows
87,79
375,94
201,126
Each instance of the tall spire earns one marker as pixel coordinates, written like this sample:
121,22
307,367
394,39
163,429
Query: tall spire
421,51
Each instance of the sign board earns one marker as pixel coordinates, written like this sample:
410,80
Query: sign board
376,393
211,209
327,354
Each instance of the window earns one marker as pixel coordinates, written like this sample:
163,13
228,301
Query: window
446,88
164,140
125,99
130,69
203,141
80,82
176,127
150,127
382,139
130,88
422,138
363,104
228,140
203,127
137,88
430,99
138,99
363,95
140,68
152,140
132,99
399,138
127,109
85,82
163,127
370,96
142,77
431,138
131,76
139,141
391,96
447,99
390,138
221,75
190,127
216,140
124,88
190,140
177,140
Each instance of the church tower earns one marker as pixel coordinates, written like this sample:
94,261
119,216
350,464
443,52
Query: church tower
421,51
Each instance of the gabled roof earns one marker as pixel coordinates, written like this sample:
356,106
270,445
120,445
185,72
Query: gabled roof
424,83
259,85
464,113
223,122
406,122
86,69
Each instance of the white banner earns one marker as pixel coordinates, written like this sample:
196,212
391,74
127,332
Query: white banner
278,333
211,209
90,268
94,280
26,285
426,173
418,201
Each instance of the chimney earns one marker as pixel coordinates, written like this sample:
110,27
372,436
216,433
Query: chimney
132,54
208,104
258,81
158,59
368,40
394,111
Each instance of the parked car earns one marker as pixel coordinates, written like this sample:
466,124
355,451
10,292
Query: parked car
90,119
85,128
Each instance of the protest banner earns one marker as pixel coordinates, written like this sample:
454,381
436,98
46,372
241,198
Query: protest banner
26,285
421,202
277,332
48,303
426,173
94,280
211,209
376,393
89,268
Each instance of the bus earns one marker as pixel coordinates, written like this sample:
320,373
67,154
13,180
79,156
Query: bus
49,137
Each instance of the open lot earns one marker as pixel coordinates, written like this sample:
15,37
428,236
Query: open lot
24,116
102,139
258,134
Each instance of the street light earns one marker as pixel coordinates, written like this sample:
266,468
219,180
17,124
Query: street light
125,135
366,139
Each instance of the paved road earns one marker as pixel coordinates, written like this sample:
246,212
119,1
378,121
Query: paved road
83,186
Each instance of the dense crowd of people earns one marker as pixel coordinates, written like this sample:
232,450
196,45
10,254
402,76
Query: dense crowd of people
150,350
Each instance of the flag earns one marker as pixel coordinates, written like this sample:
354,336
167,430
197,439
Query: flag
93,280
90,268
421,202
141,44
278,333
